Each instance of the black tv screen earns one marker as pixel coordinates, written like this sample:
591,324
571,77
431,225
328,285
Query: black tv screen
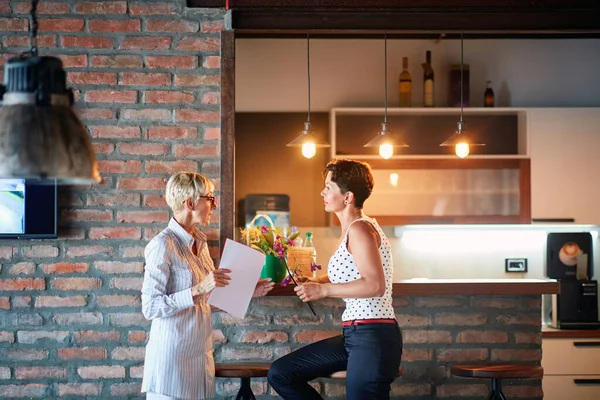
28,209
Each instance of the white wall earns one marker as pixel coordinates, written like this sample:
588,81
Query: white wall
271,73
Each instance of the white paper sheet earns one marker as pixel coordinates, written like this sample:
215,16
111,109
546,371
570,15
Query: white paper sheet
245,264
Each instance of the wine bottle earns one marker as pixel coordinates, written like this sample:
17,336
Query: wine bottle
488,98
405,85
428,93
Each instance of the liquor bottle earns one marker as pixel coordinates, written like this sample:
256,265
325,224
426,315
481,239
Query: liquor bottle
405,85
488,98
428,93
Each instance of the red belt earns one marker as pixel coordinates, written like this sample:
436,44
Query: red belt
369,321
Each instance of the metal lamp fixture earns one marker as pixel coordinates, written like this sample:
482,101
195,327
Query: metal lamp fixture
40,135
461,140
385,140
307,138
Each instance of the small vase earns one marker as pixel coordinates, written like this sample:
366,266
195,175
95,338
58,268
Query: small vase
274,268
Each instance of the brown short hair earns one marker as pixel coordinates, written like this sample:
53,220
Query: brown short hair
352,176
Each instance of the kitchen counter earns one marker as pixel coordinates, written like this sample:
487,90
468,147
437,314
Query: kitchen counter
422,287
552,333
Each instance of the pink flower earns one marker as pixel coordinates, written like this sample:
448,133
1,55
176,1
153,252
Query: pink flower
314,267
264,229
286,281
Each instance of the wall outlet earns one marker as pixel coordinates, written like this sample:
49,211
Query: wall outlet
515,265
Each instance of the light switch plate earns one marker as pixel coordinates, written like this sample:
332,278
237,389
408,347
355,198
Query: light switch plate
515,265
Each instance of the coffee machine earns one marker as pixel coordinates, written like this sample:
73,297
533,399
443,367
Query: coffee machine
569,260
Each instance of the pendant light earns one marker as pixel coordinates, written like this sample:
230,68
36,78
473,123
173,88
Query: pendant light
307,138
385,140
40,135
461,140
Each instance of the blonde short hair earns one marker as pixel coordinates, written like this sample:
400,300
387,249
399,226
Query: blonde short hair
186,185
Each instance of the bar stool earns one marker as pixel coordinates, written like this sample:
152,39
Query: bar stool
342,374
496,373
244,371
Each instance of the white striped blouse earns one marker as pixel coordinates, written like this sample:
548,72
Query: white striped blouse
179,355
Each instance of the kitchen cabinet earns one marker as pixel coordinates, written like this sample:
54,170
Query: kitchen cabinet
571,369
565,159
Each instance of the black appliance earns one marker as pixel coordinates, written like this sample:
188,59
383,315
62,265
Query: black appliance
576,307
564,251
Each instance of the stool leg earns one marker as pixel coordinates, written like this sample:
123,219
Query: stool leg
245,392
496,393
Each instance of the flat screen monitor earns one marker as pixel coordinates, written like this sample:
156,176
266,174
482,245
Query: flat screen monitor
28,209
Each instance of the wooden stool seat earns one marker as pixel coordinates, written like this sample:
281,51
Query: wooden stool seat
244,371
497,372
342,374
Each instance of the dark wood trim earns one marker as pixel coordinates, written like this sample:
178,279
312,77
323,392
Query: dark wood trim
525,190
465,287
445,163
227,220
552,333
421,35
399,220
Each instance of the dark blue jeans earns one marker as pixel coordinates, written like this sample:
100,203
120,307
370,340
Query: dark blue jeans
369,353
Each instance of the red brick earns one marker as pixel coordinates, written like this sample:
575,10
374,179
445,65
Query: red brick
142,8
193,115
76,283
126,283
197,80
145,79
172,132
115,132
118,300
13,24
119,267
23,41
211,98
26,354
132,252
218,336
199,44
142,217
211,62
182,62
6,252
246,353
102,26
119,167
92,78
155,201
146,114
115,233
73,61
137,337
5,303
65,267
60,24
85,251
88,42
25,268
79,389
528,338
72,233
116,61
531,319
7,337
103,148
426,336
151,231
44,7
142,183
4,7
169,167
22,284
516,355
174,26
410,355
22,302
78,318
212,133
86,215
101,371
33,337
461,390
127,389
96,336
462,355
262,337
111,96
128,319
95,113
128,353
146,43
101,7
482,337
40,372
29,390
211,168
112,200
167,97
461,319
57,301
207,150
311,336
40,251
213,26
139,148
85,353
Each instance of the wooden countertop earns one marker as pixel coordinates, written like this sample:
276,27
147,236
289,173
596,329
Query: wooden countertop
457,287
552,333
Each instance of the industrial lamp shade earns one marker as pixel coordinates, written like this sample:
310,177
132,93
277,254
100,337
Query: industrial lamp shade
460,136
40,135
385,137
307,136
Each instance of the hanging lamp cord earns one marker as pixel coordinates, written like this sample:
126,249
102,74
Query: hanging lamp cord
385,76
308,70
461,76
33,49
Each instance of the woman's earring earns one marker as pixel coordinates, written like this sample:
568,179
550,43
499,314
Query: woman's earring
345,202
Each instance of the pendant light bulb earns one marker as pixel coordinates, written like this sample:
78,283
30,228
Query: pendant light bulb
386,151
309,150
462,149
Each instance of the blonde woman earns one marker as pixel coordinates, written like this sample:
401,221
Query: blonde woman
179,276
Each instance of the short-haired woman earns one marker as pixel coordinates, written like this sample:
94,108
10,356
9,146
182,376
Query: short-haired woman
360,272
179,276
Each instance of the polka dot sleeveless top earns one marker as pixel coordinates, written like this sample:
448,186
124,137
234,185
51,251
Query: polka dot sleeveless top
342,269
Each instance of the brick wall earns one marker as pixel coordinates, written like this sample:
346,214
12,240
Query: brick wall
438,332
146,75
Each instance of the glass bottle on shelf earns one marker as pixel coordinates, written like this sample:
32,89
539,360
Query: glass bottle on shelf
488,98
405,85
428,92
